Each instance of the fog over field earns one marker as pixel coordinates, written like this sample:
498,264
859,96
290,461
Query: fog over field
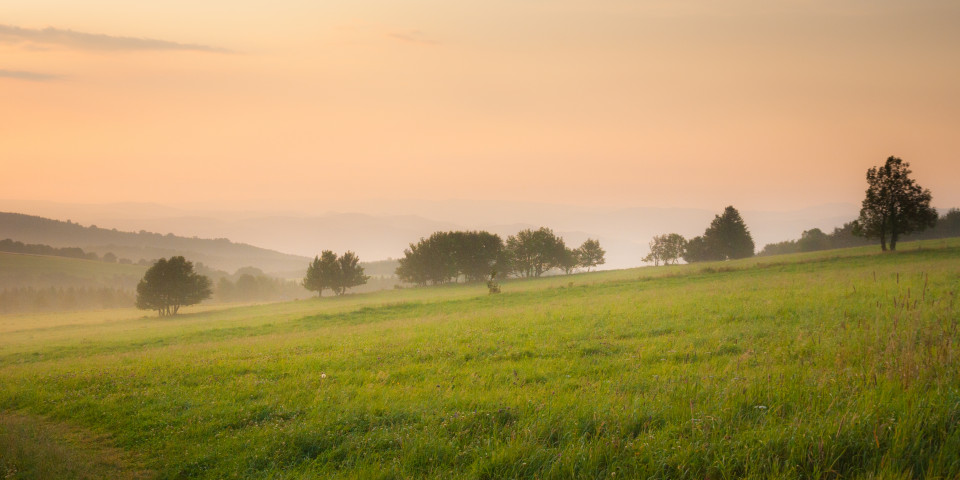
381,230
480,239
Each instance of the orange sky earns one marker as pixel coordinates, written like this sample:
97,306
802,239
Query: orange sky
603,102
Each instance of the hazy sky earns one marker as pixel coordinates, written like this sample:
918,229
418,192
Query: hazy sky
603,102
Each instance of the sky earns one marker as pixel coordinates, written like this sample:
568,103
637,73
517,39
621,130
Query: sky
326,104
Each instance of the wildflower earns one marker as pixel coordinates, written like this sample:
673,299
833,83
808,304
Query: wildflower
323,375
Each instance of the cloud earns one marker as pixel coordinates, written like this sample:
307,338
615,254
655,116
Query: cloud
414,36
29,76
94,41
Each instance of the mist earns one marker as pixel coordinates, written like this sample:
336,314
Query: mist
382,231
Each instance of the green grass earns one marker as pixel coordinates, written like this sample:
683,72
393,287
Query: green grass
833,364
34,448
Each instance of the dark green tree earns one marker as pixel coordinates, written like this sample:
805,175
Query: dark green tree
697,250
349,273
569,260
412,268
475,254
321,273
533,252
894,204
726,238
171,284
446,256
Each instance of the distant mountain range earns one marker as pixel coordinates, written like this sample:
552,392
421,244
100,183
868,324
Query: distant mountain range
623,232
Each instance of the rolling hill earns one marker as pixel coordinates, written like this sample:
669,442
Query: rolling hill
217,253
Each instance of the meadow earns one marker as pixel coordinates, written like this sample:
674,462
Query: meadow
833,364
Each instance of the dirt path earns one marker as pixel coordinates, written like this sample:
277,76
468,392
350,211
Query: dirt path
33,447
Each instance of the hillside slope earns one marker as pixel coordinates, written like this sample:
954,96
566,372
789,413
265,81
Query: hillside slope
839,364
218,253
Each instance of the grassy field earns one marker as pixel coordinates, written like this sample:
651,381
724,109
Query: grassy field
832,364
21,270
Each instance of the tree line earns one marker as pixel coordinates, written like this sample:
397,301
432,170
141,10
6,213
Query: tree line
251,284
815,239
726,238
894,206
473,256
12,246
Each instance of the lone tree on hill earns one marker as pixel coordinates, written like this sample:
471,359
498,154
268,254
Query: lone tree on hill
171,284
336,273
894,205
726,238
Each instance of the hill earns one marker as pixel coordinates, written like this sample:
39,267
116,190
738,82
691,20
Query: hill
41,271
217,253
838,364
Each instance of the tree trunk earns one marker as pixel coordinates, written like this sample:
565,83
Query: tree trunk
893,233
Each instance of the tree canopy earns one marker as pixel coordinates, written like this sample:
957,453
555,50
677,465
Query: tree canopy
667,248
171,284
446,256
475,256
336,273
590,255
726,238
533,252
894,204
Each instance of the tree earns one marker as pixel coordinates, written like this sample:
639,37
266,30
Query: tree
321,272
590,254
894,204
446,256
412,267
813,240
729,237
349,273
533,252
569,260
475,254
171,284
667,248
697,250
336,273
225,289
726,238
